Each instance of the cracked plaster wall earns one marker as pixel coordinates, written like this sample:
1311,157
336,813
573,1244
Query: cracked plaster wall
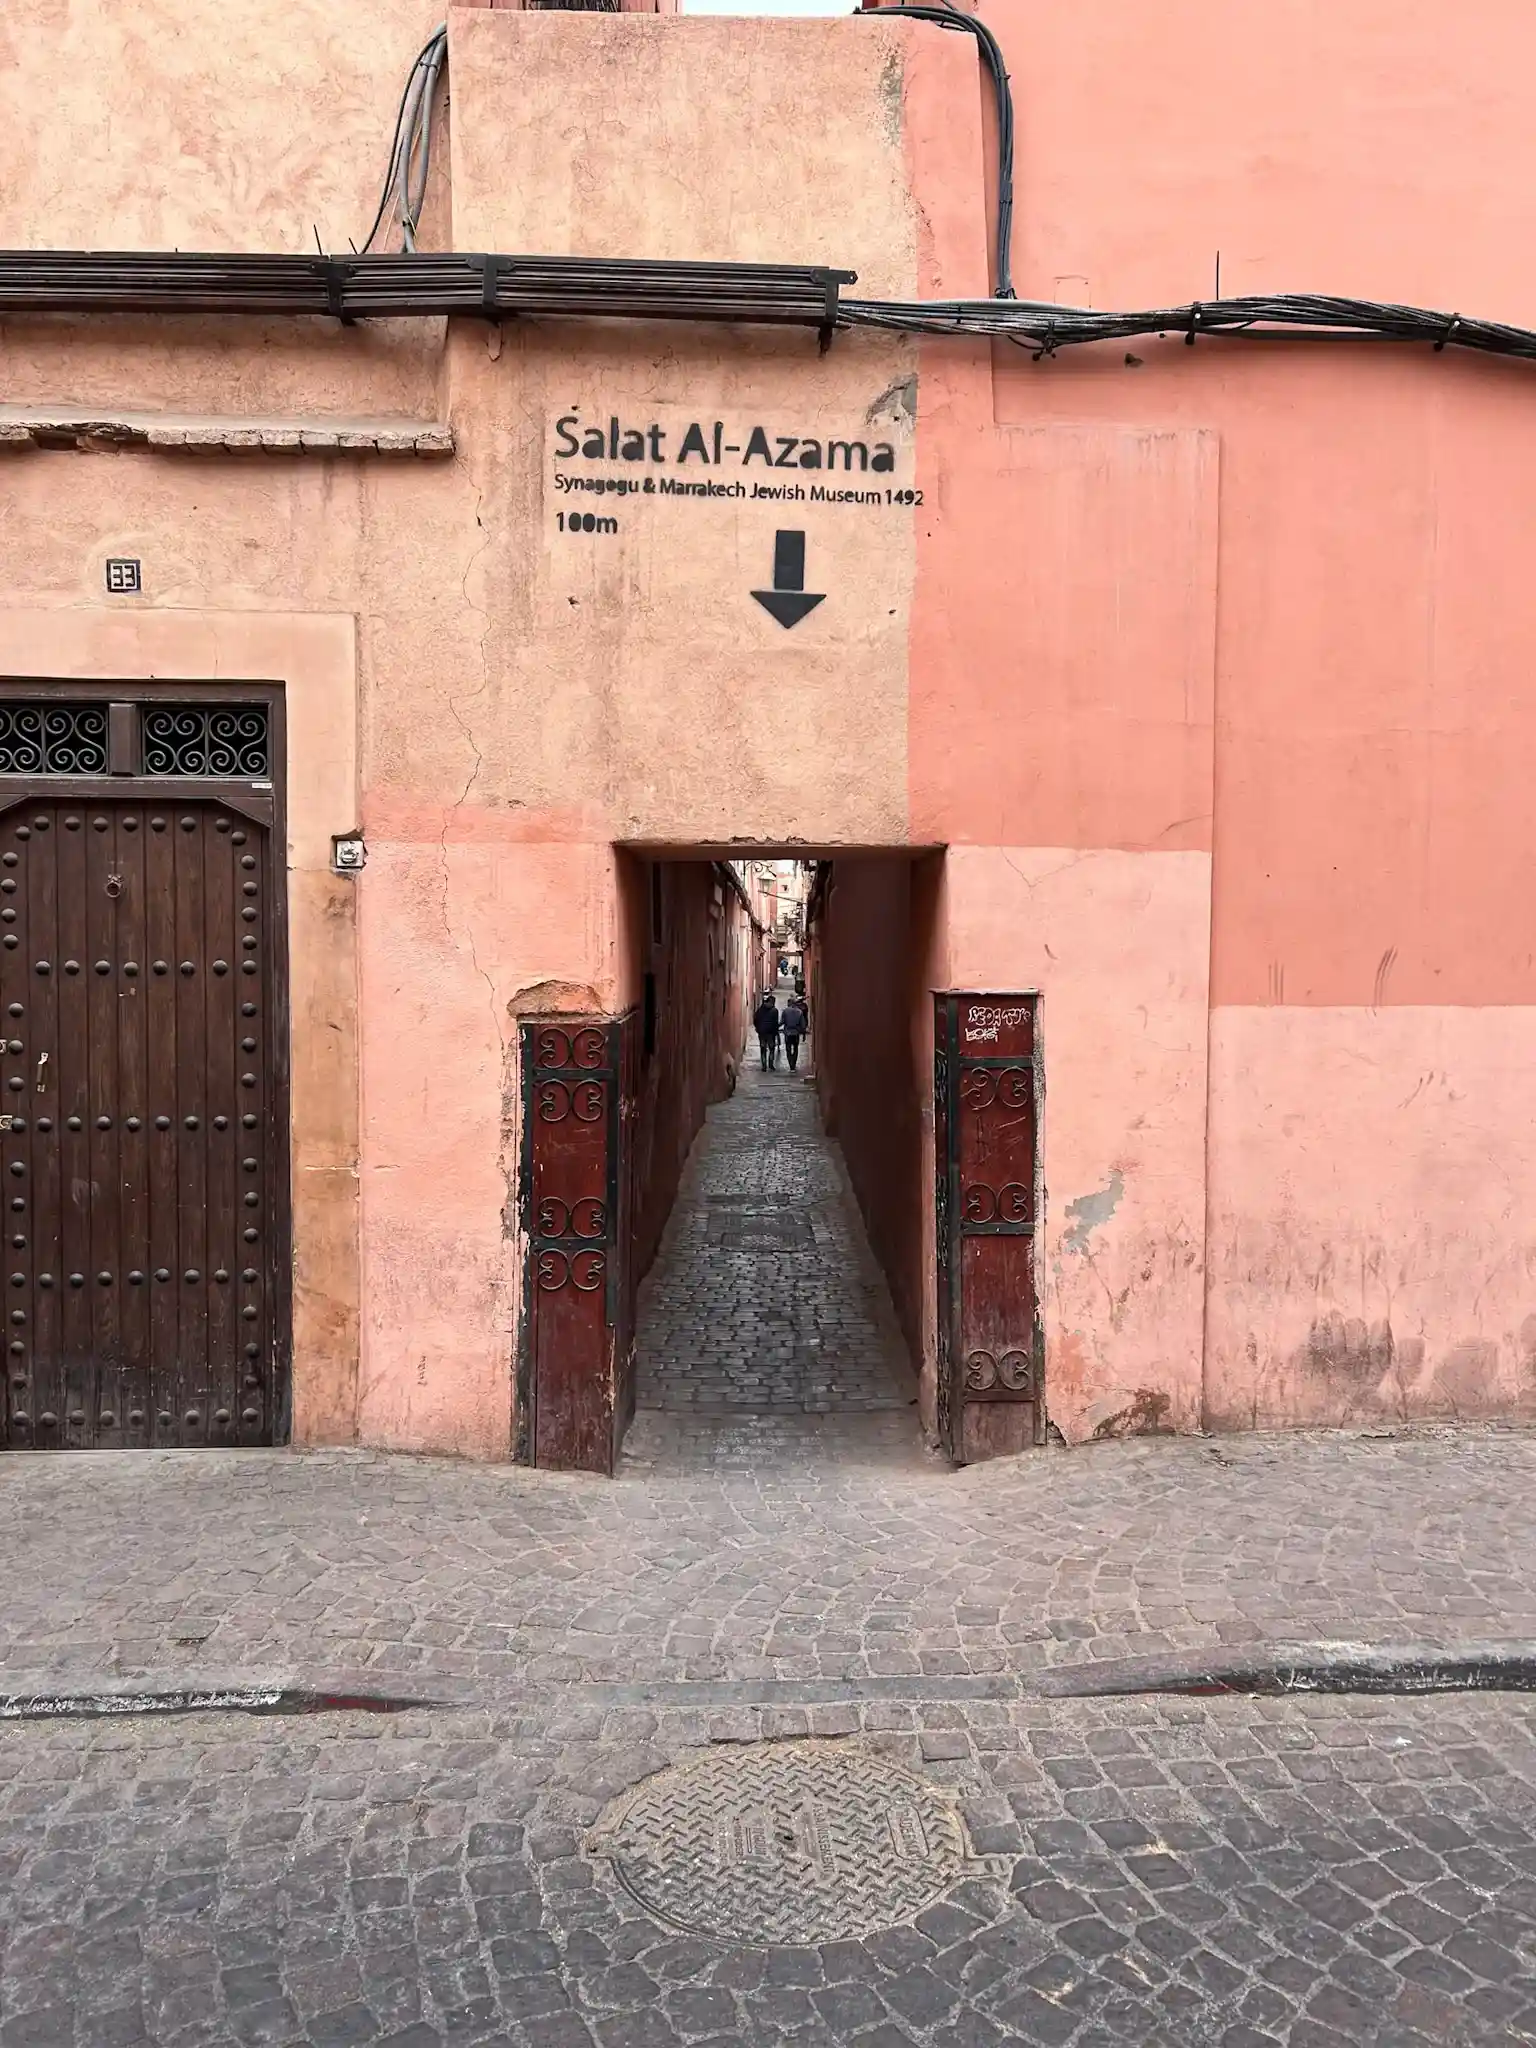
508,737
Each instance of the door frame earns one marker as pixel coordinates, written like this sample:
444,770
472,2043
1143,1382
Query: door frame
266,807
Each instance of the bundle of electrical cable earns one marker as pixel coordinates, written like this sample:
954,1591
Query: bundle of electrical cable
1045,328
410,154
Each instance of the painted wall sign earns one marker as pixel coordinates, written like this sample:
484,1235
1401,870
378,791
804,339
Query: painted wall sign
789,600
124,576
703,443
610,455
688,522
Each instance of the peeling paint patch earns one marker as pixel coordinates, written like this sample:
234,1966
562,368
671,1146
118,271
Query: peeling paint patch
897,403
1089,1212
892,89
554,999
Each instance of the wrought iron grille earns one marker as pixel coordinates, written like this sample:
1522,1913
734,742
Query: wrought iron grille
226,742
53,739
206,739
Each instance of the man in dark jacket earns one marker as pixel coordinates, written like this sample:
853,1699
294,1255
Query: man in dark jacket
765,1022
794,1029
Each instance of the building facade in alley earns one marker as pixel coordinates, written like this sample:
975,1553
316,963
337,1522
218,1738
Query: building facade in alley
397,714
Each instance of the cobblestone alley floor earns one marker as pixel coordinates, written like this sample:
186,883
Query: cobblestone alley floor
953,1855
765,1297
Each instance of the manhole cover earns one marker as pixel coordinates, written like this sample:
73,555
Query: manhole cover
784,1843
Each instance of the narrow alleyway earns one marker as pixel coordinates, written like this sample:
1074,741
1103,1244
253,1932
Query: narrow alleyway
765,1297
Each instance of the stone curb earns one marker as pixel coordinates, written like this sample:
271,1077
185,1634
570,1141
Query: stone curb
247,1694
1324,1667
1269,1671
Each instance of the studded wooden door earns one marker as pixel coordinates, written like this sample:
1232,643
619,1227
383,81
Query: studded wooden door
145,1212
574,1349
991,1396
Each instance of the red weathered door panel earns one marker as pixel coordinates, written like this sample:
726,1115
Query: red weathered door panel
575,1325
986,1100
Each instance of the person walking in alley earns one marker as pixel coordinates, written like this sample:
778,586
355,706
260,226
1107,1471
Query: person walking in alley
794,1029
765,1021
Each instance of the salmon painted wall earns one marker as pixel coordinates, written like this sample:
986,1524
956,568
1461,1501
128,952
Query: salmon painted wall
1371,970
1063,748
1253,623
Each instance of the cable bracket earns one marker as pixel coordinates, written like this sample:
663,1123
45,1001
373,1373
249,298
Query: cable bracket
491,268
830,279
336,275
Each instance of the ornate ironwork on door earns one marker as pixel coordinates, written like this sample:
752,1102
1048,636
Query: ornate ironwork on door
205,739
97,736
991,1396
574,1356
53,739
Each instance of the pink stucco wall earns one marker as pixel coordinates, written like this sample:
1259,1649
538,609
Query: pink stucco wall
1294,642
1207,666
1370,1179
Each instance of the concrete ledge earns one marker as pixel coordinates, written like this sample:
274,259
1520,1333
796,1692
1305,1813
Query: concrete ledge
25,428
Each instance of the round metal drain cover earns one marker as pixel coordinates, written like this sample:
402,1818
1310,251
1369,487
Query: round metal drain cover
784,1843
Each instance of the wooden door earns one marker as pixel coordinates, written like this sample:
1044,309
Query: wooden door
575,1310
142,1131
991,1396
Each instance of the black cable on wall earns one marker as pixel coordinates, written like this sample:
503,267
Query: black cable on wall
992,55
410,151
366,286
1044,328
420,286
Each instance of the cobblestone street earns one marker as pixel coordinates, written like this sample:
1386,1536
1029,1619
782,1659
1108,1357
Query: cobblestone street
1141,1869
765,1296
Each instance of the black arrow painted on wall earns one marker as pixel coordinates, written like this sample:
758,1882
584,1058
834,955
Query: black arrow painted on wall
789,600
